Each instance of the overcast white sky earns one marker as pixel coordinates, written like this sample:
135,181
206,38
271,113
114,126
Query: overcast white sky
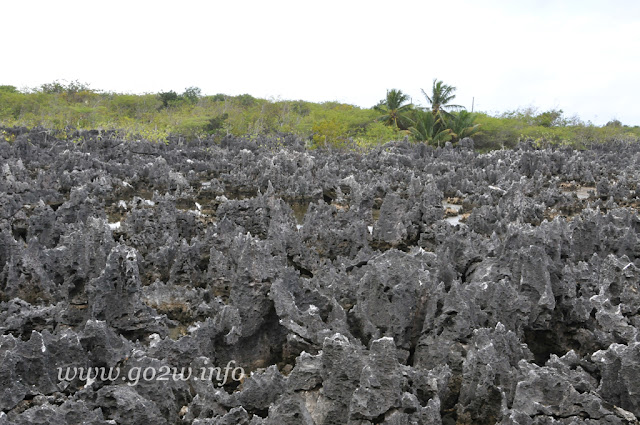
579,56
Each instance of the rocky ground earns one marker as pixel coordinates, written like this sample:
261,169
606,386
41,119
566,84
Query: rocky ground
403,286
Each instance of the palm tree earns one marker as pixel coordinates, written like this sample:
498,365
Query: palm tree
395,109
440,97
462,124
426,128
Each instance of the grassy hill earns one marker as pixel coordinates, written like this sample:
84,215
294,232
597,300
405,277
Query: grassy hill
62,107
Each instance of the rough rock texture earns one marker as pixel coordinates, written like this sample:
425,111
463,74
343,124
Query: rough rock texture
257,282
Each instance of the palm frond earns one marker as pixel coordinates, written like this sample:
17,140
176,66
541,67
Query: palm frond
394,109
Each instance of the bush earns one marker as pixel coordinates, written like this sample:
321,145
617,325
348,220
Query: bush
216,123
192,94
245,100
168,98
329,133
192,128
376,134
8,89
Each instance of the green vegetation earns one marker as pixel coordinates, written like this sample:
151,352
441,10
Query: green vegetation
433,125
441,95
546,128
462,124
62,106
428,128
395,110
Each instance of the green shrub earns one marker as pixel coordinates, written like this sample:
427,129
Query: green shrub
329,133
8,89
192,94
168,98
216,124
376,133
192,128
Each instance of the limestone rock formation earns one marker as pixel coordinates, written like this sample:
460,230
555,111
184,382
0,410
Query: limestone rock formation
258,282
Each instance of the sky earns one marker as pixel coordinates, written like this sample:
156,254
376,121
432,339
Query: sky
579,56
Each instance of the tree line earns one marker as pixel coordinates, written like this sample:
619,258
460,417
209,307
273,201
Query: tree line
442,121
65,106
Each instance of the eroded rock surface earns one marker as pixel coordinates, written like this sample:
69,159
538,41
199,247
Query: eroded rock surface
270,284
